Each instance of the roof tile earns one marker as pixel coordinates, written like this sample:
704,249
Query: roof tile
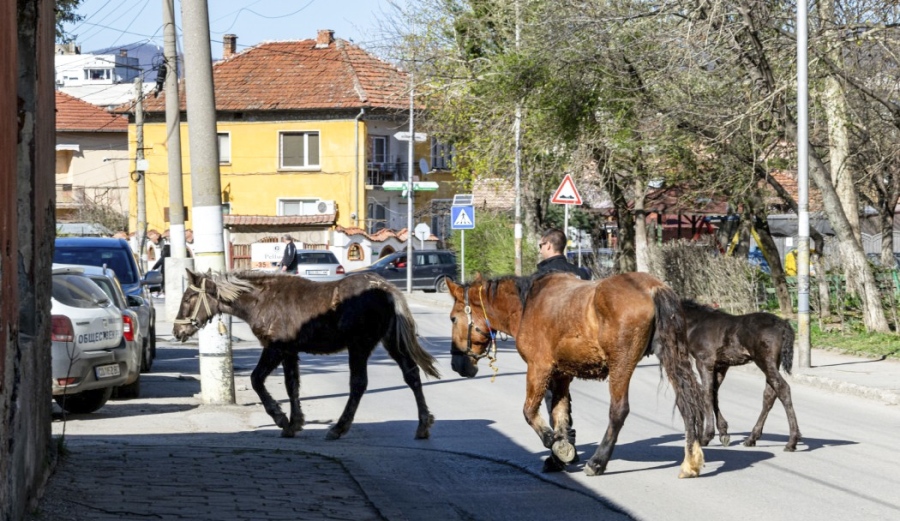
75,115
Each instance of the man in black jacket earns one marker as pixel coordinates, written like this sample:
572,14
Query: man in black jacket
552,249
289,260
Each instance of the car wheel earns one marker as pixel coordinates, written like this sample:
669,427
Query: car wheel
152,334
84,402
146,356
132,390
441,285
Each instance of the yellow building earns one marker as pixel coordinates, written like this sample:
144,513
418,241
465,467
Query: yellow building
308,136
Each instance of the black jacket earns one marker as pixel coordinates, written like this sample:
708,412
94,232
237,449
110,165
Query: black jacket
290,257
560,263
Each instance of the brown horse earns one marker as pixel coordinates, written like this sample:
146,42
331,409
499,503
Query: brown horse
566,328
718,340
290,314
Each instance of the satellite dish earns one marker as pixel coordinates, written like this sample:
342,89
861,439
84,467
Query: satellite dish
423,165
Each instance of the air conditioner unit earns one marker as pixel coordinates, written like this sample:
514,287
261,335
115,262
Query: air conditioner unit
324,207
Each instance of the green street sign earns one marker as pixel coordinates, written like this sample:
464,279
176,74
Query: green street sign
418,186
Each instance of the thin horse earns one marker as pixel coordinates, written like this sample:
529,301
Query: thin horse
566,328
718,340
290,314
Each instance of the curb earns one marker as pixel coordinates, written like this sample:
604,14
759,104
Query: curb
830,384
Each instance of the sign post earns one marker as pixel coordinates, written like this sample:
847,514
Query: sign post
566,195
462,218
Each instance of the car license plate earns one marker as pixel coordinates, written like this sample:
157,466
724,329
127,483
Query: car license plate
106,371
317,272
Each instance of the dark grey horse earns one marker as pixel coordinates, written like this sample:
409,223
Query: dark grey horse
289,314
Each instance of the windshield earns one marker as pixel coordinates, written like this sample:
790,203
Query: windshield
107,287
78,291
115,259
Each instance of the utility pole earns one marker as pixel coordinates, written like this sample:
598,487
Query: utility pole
139,167
802,189
518,127
411,189
178,261
216,366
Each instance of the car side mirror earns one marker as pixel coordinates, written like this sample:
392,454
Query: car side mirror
152,278
134,301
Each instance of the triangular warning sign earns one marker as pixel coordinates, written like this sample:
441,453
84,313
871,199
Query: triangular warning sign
566,193
462,219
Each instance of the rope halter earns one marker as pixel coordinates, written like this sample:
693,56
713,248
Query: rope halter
491,352
202,300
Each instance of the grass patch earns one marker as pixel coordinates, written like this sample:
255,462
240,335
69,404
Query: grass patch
859,343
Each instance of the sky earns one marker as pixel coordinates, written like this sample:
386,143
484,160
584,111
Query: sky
108,23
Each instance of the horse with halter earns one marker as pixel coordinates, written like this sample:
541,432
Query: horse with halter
718,340
566,328
289,314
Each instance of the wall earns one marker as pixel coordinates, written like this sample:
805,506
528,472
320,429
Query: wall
26,234
251,182
107,182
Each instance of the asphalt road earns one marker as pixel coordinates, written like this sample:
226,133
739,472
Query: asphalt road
483,462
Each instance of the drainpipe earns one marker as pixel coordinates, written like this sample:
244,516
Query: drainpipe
359,116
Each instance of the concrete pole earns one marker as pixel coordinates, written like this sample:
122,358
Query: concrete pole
176,282
411,186
518,128
140,234
802,190
216,366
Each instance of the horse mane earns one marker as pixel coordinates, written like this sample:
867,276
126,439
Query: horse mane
692,305
523,285
231,285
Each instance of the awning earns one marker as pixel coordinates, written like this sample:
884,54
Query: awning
73,148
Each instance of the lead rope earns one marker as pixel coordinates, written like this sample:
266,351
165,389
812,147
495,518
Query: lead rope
492,351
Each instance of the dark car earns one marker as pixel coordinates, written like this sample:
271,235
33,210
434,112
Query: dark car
116,254
432,269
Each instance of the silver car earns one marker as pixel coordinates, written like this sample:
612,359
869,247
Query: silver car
90,355
319,265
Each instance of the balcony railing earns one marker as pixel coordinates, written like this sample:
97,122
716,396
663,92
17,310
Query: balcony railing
378,173
69,196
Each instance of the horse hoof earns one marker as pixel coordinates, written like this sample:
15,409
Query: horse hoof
423,433
725,440
287,433
749,443
551,464
592,469
686,474
564,450
790,448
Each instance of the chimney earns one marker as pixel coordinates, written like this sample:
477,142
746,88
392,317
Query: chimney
229,44
324,38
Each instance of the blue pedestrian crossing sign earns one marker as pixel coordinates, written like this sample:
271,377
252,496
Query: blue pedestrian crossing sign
462,217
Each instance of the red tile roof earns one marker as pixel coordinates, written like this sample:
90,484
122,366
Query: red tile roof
282,220
381,235
295,75
75,115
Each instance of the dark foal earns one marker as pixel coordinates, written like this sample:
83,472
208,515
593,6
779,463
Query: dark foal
290,314
718,340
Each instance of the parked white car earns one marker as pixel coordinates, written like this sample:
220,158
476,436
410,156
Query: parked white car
89,353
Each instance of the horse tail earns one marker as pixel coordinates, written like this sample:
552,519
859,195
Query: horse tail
787,347
672,351
404,334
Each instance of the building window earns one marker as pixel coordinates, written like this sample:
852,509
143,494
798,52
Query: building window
379,149
377,217
441,155
299,150
224,147
355,252
297,206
